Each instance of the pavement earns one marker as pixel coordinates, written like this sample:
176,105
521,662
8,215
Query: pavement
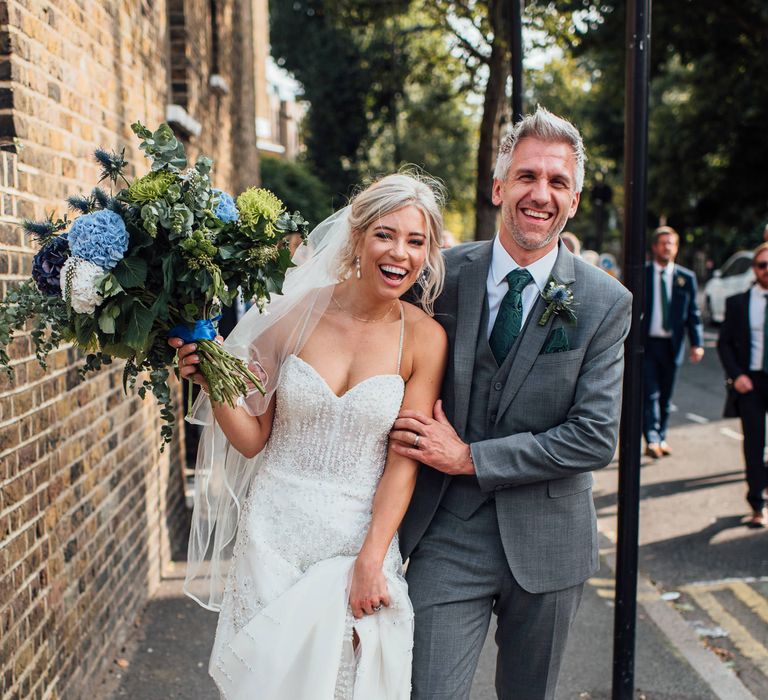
702,624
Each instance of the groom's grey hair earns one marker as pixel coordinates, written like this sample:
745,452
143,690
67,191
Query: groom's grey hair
545,126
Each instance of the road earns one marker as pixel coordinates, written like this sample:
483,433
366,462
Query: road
693,541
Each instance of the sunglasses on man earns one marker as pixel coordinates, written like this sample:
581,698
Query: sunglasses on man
760,265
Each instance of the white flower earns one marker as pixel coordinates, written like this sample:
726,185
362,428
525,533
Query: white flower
78,284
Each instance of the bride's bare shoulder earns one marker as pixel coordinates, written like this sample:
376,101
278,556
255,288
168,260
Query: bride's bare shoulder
423,328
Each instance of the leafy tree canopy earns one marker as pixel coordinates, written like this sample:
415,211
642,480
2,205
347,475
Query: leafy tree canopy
709,105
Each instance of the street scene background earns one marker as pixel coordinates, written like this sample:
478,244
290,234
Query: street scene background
312,99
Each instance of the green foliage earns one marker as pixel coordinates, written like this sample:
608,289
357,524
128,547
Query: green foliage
49,317
181,262
708,110
295,185
337,78
385,89
161,147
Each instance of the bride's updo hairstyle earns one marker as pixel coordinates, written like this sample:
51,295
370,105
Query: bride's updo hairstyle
387,195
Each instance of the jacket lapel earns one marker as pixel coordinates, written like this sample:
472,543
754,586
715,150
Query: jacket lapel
532,339
473,277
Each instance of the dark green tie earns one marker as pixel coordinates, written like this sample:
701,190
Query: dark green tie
509,320
664,302
765,336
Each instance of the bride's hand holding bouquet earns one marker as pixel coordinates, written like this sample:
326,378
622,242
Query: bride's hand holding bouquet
153,260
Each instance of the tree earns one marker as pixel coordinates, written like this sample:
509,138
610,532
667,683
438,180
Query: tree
709,105
383,91
295,185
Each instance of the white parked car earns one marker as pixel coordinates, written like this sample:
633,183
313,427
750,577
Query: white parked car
733,277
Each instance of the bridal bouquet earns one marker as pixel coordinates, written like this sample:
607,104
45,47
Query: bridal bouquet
153,260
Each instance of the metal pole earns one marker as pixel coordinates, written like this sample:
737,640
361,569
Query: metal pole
516,60
638,35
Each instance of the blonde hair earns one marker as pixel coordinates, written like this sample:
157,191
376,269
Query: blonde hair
758,250
664,231
387,195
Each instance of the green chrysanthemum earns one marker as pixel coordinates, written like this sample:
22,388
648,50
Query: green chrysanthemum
150,187
256,204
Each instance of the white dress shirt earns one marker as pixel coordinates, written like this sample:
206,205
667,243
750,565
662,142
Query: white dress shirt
656,328
502,263
756,323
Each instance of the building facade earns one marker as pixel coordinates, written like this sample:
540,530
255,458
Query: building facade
90,508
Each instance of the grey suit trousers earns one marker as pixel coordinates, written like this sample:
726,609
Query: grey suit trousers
458,574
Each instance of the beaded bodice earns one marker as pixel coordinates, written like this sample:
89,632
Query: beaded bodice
339,440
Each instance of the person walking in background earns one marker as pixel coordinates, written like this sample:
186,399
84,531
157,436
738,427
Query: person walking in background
743,350
671,311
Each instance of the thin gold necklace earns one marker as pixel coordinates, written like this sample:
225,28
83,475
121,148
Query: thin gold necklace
364,320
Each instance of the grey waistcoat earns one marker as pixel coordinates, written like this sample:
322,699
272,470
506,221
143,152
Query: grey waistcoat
463,495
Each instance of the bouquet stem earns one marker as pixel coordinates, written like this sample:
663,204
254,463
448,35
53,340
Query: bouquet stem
228,377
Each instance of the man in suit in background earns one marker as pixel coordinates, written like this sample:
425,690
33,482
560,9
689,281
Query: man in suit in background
743,350
671,312
502,518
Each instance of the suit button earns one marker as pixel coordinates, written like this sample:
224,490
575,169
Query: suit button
498,386
493,417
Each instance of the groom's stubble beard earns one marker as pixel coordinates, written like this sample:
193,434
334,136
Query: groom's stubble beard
529,242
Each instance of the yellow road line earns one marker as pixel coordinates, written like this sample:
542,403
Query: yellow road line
743,640
752,599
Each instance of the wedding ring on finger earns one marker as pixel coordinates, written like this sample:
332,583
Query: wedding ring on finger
376,608
416,441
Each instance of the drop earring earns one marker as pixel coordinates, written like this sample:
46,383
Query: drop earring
422,278
358,272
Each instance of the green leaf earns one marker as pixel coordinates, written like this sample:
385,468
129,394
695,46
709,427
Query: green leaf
226,252
168,276
139,325
117,350
131,272
106,324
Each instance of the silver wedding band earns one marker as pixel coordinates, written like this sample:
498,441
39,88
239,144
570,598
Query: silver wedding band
376,608
416,440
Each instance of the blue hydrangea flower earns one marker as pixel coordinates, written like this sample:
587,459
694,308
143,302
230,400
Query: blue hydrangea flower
99,237
226,210
47,264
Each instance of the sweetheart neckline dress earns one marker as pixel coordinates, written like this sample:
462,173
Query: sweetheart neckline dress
285,628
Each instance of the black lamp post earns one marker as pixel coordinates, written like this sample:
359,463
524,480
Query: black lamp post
638,37
516,57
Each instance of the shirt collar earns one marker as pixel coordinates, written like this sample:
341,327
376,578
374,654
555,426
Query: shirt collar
665,268
502,263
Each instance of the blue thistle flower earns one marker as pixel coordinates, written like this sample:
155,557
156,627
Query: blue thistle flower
80,203
226,210
101,197
112,164
99,237
47,264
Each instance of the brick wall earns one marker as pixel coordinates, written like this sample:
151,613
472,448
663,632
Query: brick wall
89,507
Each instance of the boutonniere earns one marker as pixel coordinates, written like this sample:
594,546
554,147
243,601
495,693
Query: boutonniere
559,300
680,281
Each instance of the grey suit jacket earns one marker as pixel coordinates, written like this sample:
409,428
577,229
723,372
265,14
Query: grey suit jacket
557,419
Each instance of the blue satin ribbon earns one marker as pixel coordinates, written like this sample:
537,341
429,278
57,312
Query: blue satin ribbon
202,330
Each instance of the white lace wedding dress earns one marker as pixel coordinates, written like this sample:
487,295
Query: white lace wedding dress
285,629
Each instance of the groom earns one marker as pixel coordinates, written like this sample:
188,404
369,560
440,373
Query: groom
502,518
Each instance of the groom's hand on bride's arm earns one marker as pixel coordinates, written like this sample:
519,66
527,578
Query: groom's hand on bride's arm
432,441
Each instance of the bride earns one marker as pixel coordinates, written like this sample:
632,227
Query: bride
313,604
